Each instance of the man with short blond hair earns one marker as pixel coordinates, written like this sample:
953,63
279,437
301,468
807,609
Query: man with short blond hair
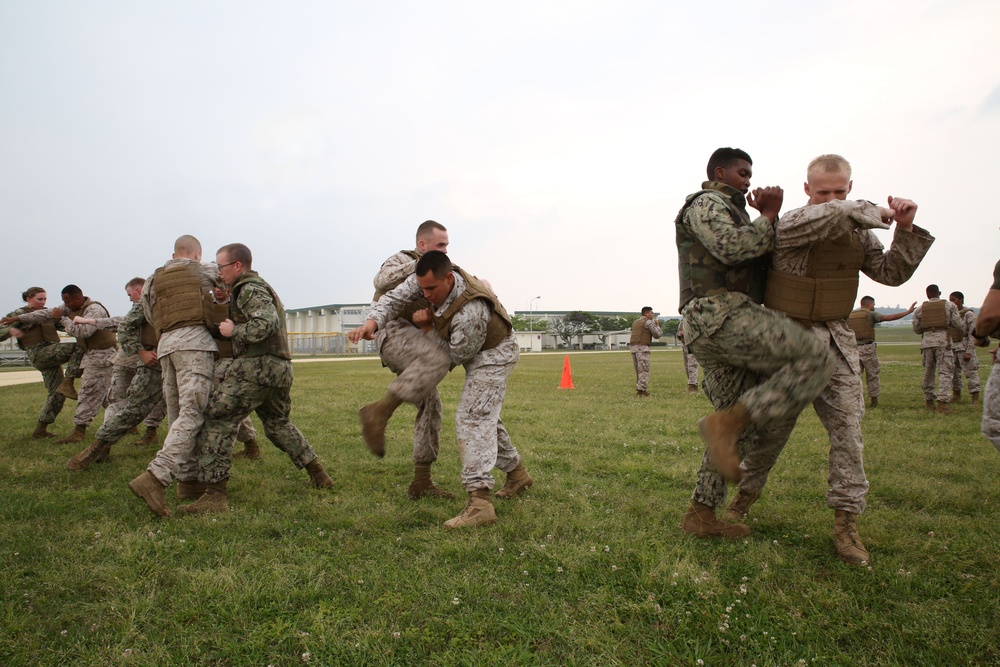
176,299
819,251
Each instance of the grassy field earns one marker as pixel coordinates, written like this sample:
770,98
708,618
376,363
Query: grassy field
587,567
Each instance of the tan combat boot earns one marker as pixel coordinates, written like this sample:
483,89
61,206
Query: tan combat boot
190,490
422,486
79,434
740,506
41,431
721,431
956,396
931,405
374,419
150,437
478,511
700,521
97,452
874,401
692,389
251,450
319,477
213,500
149,489
518,480
66,389
975,397
641,393
849,546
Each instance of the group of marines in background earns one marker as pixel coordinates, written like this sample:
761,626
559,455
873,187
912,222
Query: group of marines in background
767,306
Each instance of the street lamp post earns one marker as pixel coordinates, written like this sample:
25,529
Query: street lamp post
531,336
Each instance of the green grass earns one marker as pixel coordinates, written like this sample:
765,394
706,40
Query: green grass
587,567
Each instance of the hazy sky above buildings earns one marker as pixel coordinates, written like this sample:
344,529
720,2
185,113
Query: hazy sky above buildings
555,140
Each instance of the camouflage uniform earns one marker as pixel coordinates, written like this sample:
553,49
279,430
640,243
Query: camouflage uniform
144,394
640,353
95,364
935,346
690,361
187,362
991,398
258,380
749,354
482,438
840,406
868,357
962,347
123,372
246,431
401,345
47,358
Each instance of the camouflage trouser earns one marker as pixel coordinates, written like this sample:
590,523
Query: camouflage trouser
765,361
232,401
971,370
839,407
868,356
939,362
92,394
420,362
640,361
187,384
483,440
246,431
48,360
690,366
991,407
144,397
122,378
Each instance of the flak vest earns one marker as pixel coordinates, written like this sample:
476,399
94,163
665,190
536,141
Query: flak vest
277,343
147,337
701,274
933,315
38,333
499,326
640,334
180,301
102,339
862,326
957,333
220,313
419,304
828,290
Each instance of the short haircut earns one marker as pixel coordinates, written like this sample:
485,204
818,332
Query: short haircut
433,261
237,252
957,295
865,300
647,309
725,158
427,227
72,290
135,282
933,291
30,293
187,245
829,163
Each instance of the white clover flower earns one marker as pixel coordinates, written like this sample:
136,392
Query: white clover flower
63,633
559,569
455,601
614,568
396,635
307,656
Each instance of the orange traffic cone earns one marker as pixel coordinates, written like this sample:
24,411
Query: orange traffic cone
567,376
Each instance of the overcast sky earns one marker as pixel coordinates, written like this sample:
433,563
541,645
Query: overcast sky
555,140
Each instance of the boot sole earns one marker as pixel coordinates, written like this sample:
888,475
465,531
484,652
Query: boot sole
375,441
728,467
